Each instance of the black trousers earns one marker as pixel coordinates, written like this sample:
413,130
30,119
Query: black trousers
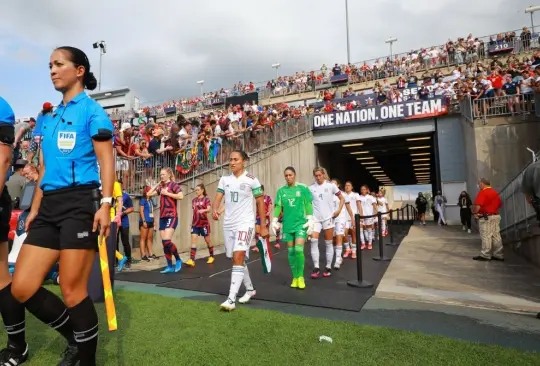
123,234
465,214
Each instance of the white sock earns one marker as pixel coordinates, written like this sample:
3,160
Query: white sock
346,245
247,279
329,253
315,252
339,250
369,236
237,276
353,248
365,238
362,239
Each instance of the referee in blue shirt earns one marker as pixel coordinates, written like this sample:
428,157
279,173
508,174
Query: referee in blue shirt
63,223
12,311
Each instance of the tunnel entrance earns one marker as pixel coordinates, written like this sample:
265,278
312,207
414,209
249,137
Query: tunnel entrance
387,161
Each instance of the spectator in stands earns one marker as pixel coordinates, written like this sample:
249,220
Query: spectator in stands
15,184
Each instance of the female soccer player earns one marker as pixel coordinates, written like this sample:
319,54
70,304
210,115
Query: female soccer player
239,188
382,207
200,226
146,226
340,225
62,224
169,192
13,314
369,207
353,198
294,201
323,212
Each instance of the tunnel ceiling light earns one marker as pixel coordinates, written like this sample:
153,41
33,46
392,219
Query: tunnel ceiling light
373,167
377,171
368,162
370,158
416,164
422,159
359,152
353,145
418,138
419,147
419,169
421,154
423,174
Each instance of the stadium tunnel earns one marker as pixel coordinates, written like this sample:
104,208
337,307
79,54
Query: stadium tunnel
385,161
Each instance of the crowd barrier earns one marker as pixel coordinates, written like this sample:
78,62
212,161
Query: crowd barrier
399,227
507,105
203,157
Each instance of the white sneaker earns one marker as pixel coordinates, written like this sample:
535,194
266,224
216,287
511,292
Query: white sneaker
338,263
228,305
469,231
463,228
247,296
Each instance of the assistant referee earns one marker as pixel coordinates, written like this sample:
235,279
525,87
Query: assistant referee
63,224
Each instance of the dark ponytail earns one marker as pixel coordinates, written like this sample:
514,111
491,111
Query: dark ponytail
242,153
79,58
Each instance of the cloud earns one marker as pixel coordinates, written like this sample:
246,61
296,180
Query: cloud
161,48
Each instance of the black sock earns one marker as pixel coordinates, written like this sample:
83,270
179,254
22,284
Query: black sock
13,316
85,327
48,308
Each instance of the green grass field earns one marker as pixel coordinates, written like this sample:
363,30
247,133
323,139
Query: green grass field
158,330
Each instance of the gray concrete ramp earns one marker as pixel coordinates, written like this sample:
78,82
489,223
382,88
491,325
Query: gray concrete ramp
434,264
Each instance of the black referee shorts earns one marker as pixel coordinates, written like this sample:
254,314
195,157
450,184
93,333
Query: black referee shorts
65,220
5,215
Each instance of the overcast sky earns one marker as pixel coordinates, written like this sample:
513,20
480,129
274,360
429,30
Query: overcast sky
161,48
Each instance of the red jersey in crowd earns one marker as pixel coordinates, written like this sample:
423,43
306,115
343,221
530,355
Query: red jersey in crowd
168,206
267,203
200,219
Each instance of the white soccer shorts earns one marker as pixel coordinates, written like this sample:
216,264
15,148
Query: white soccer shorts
369,221
238,239
339,228
323,225
348,225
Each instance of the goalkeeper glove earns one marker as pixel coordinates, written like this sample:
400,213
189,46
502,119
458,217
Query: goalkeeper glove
310,224
275,226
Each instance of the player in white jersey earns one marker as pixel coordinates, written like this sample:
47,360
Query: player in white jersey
324,214
349,245
369,207
340,226
382,207
239,189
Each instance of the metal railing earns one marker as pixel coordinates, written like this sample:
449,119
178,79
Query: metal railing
382,71
516,212
507,105
206,155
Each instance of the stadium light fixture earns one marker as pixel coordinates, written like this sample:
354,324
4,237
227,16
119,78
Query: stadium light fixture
418,138
391,41
102,46
353,145
201,83
531,10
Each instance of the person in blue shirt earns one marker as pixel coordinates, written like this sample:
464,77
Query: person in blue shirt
13,314
123,231
146,226
63,224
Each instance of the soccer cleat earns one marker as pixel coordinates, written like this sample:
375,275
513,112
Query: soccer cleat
353,255
70,356
327,272
301,283
121,263
247,296
337,264
370,246
315,273
227,305
167,270
190,263
8,356
178,266
210,260
346,253
294,283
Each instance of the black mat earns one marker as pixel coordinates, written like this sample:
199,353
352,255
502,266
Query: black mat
201,270
332,292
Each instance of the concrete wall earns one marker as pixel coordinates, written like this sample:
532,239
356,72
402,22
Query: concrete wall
268,170
451,149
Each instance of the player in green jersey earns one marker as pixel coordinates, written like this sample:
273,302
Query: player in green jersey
294,199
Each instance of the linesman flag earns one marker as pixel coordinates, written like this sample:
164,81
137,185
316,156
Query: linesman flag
266,255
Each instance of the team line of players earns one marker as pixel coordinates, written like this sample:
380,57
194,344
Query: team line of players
301,213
